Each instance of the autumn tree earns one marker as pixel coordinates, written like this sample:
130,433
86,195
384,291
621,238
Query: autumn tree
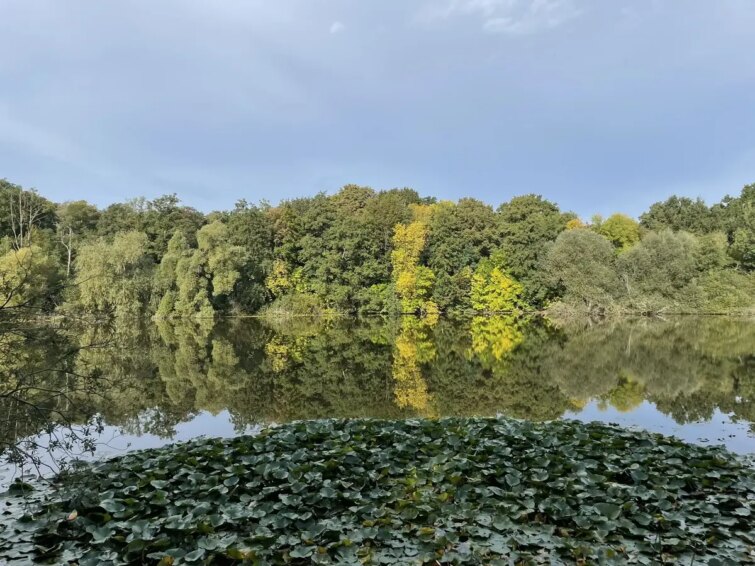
413,282
622,231
494,290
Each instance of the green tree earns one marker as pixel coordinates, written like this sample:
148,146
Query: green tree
206,278
23,213
28,278
115,277
460,235
737,218
582,265
656,271
680,214
250,228
528,224
166,275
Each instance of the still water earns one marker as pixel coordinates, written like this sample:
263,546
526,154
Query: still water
154,383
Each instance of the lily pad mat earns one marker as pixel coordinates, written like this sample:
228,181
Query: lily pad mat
458,491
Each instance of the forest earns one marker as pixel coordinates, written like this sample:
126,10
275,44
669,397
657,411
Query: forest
366,251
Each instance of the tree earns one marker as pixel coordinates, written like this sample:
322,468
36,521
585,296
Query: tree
22,213
582,265
80,216
622,231
679,214
166,274
163,216
493,290
413,282
656,270
114,278
206,277
76,220
528,223
250,229
737,218
711,252
460,235
28,278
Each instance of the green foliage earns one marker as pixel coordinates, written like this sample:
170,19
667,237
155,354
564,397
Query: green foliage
656,271
28,278
457,490
80,216
114,277
250,229
528,224
622,231
361,250
680,214
460,235
45,218
205,277
582,265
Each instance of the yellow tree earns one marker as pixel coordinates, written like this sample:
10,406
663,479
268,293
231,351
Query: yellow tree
494,290
413,281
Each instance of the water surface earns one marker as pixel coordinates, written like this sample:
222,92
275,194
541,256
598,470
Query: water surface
154,383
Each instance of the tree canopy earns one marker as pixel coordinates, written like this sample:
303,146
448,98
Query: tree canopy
370,251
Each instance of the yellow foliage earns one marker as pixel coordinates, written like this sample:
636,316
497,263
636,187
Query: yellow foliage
413,282
278,281
495,291
575,224
493,338
281,353
627,395
413,347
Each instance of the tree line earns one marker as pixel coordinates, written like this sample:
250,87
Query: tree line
366,251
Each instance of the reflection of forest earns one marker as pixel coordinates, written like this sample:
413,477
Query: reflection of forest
160,375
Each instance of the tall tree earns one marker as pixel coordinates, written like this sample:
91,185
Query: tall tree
207,277
621,230
582,265
115,277
413,282
680,213
460,235
528,224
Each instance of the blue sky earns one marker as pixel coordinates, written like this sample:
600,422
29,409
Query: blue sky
598,105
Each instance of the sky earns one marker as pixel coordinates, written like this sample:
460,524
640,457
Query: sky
601,106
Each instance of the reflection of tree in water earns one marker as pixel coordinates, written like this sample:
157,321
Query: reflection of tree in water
494,366
688,367
626,396
47,404
150,377
495,337
414,347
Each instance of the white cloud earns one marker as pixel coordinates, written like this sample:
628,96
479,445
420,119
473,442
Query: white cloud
336,27
510,17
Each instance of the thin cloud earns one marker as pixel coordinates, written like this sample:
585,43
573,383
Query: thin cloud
510,17
337,27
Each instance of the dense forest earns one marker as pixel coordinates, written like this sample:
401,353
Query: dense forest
367,251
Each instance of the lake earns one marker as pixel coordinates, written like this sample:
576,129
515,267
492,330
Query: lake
154,383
